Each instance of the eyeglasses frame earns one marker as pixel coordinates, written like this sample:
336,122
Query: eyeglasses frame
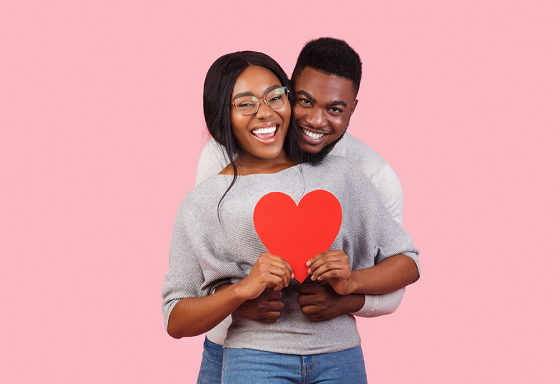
263,99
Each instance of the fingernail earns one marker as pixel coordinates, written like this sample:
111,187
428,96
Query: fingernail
293,276
312,277
309,271
308,263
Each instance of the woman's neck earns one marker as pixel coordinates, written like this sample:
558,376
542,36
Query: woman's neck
249,165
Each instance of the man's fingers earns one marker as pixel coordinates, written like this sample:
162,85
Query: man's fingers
308,289
309,310
269,294
272,305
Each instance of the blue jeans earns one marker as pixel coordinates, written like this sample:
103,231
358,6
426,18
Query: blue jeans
248,366
211,365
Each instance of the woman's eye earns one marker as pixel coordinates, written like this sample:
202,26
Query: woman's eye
245,105
276,98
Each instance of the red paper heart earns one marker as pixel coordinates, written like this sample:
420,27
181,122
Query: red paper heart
298,233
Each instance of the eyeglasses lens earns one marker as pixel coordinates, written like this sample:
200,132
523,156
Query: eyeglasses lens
277,97
248,105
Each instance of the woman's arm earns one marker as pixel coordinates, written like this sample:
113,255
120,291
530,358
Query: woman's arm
193,316
389,275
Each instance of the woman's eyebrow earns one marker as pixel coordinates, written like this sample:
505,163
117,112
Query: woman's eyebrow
249,93
242,94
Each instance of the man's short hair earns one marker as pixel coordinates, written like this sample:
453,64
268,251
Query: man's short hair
332,57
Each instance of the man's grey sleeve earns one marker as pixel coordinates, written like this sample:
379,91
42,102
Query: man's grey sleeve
212,161
391,195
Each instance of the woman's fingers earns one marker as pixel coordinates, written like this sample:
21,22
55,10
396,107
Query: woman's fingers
275,266
283,263
336,262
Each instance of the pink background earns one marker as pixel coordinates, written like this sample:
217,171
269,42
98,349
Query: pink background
101,127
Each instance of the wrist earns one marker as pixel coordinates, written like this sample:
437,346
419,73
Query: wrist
245,290
355,302
353,284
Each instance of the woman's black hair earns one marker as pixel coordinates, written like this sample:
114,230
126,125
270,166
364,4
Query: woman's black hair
218,87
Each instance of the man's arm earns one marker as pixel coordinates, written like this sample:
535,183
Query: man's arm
321,302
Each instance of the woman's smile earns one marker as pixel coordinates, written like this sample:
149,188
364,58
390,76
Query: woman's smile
259,129
266,133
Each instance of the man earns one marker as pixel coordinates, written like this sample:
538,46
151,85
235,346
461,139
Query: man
326,81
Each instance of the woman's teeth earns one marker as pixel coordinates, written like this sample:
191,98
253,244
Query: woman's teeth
263,131
313,135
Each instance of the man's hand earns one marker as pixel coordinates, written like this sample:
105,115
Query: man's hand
265,309
321,302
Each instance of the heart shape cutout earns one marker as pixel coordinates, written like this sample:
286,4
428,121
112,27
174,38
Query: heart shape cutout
298,232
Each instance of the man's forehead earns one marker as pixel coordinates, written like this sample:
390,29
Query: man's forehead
317,84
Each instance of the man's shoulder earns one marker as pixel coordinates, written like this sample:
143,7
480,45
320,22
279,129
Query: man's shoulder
363,156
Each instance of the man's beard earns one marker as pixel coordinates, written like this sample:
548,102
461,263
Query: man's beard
318,157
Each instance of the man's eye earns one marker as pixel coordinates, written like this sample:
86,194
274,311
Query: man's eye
305,101
336,110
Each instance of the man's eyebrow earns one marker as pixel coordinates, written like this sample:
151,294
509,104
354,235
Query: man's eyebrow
306,94
249,93
336,102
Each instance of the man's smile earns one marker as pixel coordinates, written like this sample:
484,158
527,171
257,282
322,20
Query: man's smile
313,136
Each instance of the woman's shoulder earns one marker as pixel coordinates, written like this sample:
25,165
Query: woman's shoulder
207,192
335,167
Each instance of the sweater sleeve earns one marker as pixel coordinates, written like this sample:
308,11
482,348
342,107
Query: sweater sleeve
185,277
391,193
212,161
375,235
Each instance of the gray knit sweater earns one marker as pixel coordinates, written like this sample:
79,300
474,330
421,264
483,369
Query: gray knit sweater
206,251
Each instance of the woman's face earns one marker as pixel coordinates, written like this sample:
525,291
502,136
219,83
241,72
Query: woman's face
260,135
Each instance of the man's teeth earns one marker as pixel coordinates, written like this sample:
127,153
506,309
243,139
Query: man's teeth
262,131
313,135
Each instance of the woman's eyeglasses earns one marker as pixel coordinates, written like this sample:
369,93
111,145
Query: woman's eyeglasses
249,105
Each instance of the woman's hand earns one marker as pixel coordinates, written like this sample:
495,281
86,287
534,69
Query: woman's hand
269,271
334,267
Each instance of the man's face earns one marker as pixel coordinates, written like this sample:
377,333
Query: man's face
324,105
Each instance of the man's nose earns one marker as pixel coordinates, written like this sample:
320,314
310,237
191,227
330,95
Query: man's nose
316,118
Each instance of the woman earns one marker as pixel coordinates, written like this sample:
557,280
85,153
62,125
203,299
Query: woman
215,242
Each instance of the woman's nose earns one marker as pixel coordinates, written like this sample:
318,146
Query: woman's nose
264,111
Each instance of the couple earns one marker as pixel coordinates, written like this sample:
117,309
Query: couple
218,265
